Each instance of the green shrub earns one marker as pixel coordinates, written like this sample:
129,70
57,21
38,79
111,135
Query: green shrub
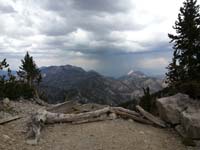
191,88
129,104
12,88
188,142
15,90
147,101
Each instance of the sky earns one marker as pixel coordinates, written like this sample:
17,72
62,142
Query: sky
109,36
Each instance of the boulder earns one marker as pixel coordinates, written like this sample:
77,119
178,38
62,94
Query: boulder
6,102
190,120
170,108
181,131
182,111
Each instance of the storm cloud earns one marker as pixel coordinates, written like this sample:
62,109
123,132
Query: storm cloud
110,36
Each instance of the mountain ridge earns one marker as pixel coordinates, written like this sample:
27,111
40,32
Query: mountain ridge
69,82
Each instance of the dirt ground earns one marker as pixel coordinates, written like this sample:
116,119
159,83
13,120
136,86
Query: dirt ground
106,135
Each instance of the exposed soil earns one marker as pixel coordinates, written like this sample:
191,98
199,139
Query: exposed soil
106,135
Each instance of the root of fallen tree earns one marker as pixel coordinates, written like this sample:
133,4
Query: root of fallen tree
50,116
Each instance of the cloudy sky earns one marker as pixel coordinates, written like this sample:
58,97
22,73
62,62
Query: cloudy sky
109,36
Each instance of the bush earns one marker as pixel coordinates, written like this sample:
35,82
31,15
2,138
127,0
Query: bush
12,88
188,141
129,104
147,102
15,90
191,88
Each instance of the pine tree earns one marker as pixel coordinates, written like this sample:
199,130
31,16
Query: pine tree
3,65
146,100
185,65
29,71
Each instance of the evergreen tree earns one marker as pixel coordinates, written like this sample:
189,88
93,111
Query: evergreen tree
10,87
185,65
146,100
29,71
3,65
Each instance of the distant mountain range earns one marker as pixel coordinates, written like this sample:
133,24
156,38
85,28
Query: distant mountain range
4,72
73,83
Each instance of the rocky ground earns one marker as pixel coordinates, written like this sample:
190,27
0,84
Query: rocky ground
106,135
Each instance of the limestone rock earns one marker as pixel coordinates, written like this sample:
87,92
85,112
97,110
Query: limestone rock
181,131
170,108
190,120
6,102
182,110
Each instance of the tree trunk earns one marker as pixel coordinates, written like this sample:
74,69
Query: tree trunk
150,117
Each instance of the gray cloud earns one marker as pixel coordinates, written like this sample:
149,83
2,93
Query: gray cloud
107,6
110,36
6,9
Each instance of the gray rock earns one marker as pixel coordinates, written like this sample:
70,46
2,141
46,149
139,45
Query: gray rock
113,116
181,131
4,115
170,108
190,120
6,102
197,143
180,109
6,137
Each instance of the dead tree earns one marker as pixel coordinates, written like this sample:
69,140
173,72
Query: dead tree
50,116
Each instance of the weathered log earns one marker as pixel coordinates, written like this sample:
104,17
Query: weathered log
150,117
43,116
41,102
100,118
9,119
73,107
62,118
65,107
58,117
135,118
127,111
46,117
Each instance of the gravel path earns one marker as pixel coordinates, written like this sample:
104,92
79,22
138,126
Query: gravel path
106,135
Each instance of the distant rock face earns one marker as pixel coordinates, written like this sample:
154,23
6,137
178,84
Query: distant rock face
136,80
137,74
60,82
182,111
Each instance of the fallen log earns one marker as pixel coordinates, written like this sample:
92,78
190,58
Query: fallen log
150,117
41,102
9,119
107,113
45,117
135,118
62,118
101,118
65,107
73,107
127,111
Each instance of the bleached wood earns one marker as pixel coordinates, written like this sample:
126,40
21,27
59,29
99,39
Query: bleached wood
150,117
135,118
121,109
44,116
9,119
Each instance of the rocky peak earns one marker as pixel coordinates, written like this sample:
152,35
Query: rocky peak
138,74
